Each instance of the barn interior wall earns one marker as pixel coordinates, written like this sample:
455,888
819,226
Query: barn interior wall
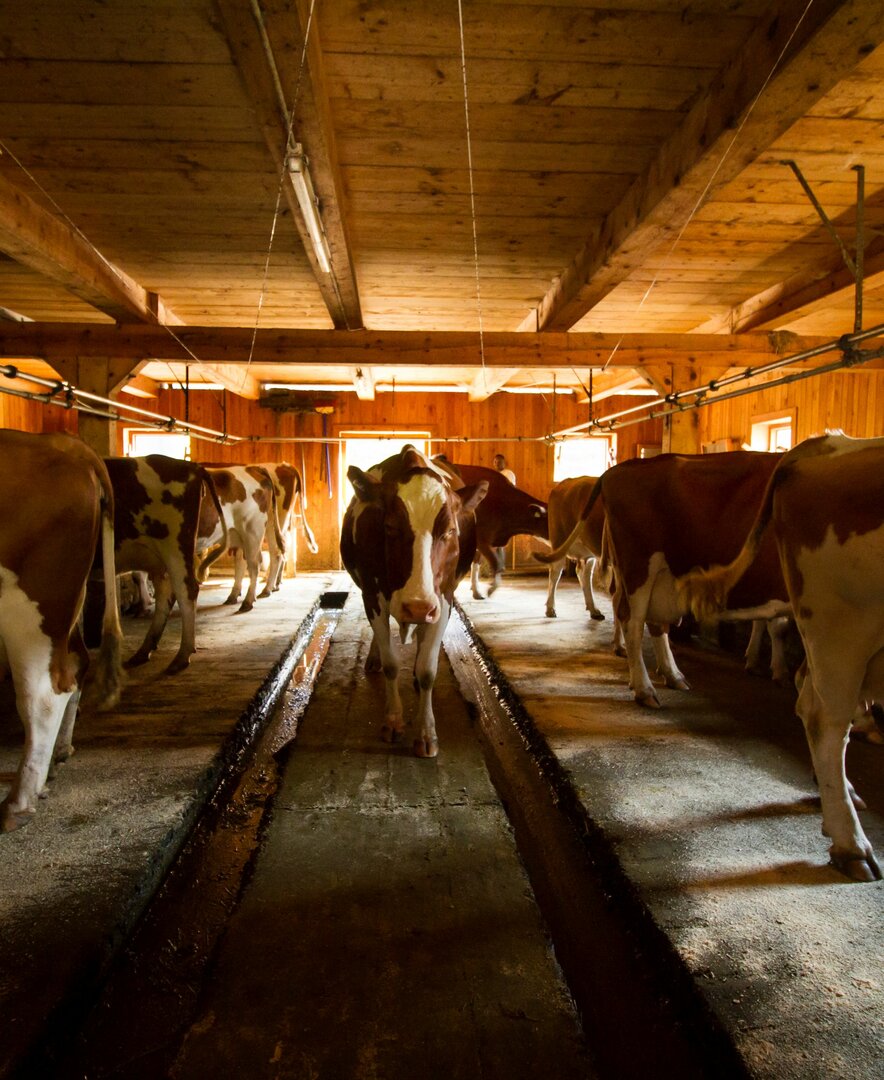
851,400
509,423
513,424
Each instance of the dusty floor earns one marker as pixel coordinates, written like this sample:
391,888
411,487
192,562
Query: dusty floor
707,803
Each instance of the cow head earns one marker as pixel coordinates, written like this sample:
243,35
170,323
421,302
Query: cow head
423,522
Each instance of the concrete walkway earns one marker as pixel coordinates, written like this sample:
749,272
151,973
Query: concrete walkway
709,807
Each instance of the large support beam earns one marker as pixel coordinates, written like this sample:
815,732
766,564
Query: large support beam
242,345
38,239
267,45
103,377
808,48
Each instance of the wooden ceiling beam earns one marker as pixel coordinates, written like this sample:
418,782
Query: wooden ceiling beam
809,50
268,57
214,345
363,382
485,383
800,295
37,238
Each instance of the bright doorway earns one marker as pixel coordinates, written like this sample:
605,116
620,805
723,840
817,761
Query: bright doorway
365,449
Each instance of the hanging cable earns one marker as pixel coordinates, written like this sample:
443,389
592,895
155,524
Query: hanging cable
466,110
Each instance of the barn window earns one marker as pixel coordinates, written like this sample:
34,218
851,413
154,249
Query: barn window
773,432
172,444
583,457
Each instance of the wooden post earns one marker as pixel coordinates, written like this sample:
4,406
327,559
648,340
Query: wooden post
102,376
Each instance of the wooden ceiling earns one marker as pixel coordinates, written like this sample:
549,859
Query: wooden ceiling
622,195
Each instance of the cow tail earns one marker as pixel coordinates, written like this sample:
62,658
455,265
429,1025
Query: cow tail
308,532
218,550
704,592
108,682
562,550
604,567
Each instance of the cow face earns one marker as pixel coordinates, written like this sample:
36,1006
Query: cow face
422,519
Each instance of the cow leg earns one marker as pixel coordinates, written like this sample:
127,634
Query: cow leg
388,651
555,573
252,558
753,649
239,569
827,726
274,567
163,601
631,610
64,741
475,566
666,665
584,576
41,711
429,642
777,630
186,593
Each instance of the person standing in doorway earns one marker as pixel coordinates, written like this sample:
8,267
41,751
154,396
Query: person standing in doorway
500,465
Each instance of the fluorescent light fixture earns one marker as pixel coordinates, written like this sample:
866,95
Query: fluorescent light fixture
537,390
191,386
296,163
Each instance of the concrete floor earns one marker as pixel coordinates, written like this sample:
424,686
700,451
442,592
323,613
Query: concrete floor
707,804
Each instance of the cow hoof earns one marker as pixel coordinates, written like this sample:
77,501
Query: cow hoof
136,660
10,820
478,596
492,589
679,683
597,615
178,664
372,665
62,753
264,593
619,651
244,607
232,599
650,701
426,748
391,732
860,868
550,614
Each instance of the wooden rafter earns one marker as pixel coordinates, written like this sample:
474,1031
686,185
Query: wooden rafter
270,69
800,295
216,345
36,238
485,383
612,385
363,382
809,50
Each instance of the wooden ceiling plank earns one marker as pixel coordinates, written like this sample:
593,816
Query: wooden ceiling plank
270,84
723,132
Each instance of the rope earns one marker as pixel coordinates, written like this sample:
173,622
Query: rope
466,111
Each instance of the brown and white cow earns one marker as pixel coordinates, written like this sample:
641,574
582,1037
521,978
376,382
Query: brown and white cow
157,515
407,539
823,510
665,516
247,512
566,502
505,512
289,490
56,502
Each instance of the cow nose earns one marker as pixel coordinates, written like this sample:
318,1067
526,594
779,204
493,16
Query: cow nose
420,611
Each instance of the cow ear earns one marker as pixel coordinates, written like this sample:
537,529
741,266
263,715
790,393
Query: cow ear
366,487
471,496
411,459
